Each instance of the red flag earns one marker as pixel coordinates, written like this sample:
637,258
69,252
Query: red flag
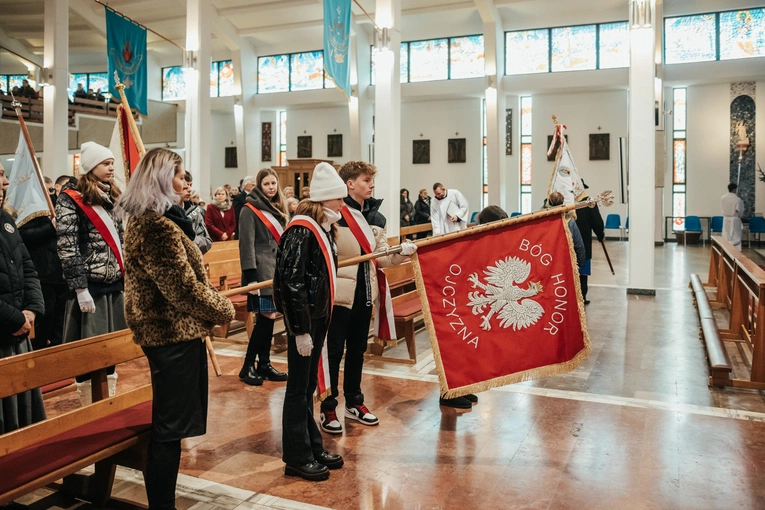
122,143
503,306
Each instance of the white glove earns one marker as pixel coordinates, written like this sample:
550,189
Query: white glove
304,344
255,292
408,248
87,305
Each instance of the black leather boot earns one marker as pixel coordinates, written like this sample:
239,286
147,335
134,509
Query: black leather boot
250,376
313,471
331,460
269,373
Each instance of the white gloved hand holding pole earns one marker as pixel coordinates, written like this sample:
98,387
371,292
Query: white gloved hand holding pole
408,248
85,300
304,344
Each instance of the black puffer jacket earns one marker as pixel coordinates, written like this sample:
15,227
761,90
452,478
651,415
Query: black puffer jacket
257,247
422,211
301,281
39,236
19,286
86,259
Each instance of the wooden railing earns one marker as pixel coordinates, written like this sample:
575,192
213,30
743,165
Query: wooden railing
740,285
32,109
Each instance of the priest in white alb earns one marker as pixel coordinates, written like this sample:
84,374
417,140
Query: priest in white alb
449,211
732,209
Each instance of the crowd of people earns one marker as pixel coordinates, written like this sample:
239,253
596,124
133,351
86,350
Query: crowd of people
25,90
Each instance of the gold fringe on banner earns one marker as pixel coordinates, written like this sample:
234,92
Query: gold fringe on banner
321,397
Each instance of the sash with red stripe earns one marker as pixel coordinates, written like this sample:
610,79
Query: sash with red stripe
271,223
384,326
323,388
103,223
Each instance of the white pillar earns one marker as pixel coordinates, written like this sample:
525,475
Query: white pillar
493,36
56,60
388,113
642,161
198,118
246,113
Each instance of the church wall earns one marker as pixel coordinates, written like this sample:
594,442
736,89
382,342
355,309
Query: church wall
223,133
317,123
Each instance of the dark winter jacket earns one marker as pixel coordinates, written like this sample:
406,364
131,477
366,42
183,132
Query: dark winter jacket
39,237
19,286
589,220
257,247
197,216
167,296
578,243
422,211
237,203
406,209
301,280
86,259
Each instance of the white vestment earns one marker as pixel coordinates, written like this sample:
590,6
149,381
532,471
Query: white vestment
732,209
453,203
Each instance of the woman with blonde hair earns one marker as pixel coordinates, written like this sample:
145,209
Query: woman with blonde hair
261,225
220,219
289,192
170,307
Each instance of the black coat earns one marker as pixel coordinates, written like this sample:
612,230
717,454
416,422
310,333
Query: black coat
237,203
301,280
19,286
406,209
39,236
589,220
422,211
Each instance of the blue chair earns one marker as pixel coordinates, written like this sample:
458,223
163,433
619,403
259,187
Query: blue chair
756,226
513,215
473,217
716,224
693,225
614,222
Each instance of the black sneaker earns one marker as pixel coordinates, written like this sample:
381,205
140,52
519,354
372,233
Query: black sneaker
472,398
458,403
250,376
269,373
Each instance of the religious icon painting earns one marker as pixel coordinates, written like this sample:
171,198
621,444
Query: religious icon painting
509,132
334,146
420,152
304,146
457,150
265,152
600,147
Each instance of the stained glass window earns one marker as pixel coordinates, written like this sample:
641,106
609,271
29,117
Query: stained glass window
742,34
679,109
226,78
679,165
403,67
574,48
429,60
4,84
679,151
690,39
273,74
98,81
173,83
467,57
16,80
678,210
525,176
74,80
614,45
526,163
214,79
526,116
527,52
307,70
525,203
282,138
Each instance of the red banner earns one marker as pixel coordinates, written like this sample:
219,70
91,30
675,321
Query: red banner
503,306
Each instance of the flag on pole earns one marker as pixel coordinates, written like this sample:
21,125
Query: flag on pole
124,148
126,53
26,198
503,306
337,35
565,178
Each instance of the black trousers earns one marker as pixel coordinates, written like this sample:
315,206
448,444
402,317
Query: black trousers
583,284
162,464
301,439
259,346
348,331
49,327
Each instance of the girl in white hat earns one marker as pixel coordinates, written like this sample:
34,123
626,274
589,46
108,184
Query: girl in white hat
90,247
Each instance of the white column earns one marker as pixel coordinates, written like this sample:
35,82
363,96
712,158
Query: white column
642,159
248,128
493,36
198,27
388,113
56,61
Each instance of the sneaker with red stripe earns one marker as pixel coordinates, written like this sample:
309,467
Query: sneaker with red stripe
329,422
361,414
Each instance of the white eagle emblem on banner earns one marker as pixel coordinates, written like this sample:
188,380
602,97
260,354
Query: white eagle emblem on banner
511,304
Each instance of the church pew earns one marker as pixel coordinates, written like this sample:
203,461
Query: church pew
722,271
720,367
109,432
226,275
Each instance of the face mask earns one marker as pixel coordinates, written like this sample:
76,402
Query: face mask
331,217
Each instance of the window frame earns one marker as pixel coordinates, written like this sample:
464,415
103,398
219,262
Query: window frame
716,34
289,67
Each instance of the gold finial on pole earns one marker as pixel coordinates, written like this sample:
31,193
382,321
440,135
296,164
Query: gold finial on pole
555,119
131,121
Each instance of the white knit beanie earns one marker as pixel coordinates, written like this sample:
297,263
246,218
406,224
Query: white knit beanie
326,184
92,154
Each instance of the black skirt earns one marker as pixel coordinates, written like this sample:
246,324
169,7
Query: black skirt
179,384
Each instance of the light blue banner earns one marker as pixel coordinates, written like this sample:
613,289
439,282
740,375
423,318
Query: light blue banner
126,52
26,199
337,36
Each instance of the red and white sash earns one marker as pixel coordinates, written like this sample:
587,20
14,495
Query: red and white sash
384,327
271,223
323,384
103,223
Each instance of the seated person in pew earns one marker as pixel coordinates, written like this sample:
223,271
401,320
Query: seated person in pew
21,300
170,307
197,216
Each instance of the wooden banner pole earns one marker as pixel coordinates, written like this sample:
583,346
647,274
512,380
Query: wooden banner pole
131,121
17,107
607,257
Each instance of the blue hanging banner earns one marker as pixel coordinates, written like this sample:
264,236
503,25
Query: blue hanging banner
337,35
126,52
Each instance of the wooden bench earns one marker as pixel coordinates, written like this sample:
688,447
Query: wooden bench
227,275
722,271
720,367
109,432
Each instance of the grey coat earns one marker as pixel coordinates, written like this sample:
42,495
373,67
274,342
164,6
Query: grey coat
197,216
257,247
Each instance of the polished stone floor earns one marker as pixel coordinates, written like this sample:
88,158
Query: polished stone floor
635,426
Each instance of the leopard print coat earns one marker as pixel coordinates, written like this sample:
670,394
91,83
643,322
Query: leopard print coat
167,296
